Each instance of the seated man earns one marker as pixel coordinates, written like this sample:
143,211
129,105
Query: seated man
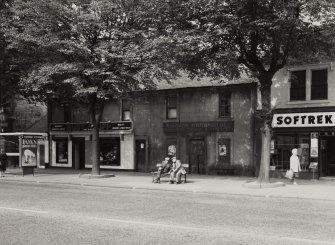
176,172
164,169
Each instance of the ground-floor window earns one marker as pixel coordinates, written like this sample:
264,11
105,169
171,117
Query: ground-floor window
62,151
282,150
110,152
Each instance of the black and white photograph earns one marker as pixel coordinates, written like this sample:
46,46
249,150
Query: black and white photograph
167,122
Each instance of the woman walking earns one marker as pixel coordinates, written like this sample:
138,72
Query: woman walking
295,165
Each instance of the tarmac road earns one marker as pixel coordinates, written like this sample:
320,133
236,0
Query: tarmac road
62,214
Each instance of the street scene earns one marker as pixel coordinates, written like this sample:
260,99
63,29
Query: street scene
167,121
71,210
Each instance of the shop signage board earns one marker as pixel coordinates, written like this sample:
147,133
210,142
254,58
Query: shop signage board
298,120
226,126
117,126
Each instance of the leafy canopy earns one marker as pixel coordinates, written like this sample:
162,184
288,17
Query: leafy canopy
215,38
82,51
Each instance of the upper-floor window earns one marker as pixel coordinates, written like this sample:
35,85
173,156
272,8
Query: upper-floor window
298,85
126,110
171,107
225,104
319,84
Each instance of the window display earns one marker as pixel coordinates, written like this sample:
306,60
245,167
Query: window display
110,152
284,143
61,152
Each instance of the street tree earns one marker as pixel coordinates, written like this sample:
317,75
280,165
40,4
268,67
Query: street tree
250,37
83,52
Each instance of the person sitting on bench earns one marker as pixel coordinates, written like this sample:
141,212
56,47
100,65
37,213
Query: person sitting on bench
164,169
176,172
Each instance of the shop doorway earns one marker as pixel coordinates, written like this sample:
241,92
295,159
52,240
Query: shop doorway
198,156
141,146
78,153
327,156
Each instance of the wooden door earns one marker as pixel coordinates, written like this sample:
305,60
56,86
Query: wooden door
197,156
141,147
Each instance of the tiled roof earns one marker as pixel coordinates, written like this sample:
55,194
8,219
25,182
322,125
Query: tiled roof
186,82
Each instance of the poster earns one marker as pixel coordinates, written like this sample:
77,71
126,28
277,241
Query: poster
29,151
314,145
222,150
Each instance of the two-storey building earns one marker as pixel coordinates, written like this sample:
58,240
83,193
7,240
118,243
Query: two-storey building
205,123
304,118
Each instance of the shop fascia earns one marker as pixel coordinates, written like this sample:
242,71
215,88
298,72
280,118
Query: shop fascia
289,120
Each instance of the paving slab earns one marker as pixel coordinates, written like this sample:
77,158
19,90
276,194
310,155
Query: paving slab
320,189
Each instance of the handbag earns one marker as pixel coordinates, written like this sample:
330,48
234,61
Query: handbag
289,174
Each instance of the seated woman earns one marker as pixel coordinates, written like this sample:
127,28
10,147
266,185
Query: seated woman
176,172
164,169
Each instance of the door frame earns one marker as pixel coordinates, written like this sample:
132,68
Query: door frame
146,139
205,150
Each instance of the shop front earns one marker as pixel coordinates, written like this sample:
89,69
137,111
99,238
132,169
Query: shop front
312,133
206,146
71,145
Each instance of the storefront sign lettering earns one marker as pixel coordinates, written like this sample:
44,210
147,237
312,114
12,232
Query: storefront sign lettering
320,119
226,126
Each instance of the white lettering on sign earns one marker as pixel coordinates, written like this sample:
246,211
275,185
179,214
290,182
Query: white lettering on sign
317,119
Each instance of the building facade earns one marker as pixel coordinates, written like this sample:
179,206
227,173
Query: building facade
304,118
208,125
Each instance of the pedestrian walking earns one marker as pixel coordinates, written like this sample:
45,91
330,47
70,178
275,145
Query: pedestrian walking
295,165
3,162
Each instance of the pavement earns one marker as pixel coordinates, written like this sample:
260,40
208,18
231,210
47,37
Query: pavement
233,185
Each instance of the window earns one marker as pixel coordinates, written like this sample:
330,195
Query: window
61,152
171,107
298,85
126,110
284,143
319,87
110,151
224,105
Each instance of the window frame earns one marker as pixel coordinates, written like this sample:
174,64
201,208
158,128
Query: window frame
299,87
169,107
313,89
125,107
225,107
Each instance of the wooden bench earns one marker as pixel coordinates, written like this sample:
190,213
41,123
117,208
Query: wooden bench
155,173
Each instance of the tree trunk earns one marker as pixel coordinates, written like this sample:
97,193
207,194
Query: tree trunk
96,110
263,176
95,149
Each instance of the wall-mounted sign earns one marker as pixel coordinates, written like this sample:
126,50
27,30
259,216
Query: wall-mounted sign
317,119
118,126
173,127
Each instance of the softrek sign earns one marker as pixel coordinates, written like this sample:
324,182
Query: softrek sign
298,120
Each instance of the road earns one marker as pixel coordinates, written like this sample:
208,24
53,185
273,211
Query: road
63,214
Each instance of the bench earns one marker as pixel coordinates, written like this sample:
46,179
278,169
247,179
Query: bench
154,174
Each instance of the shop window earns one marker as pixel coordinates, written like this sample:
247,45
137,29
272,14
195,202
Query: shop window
110,152
171,147
319,87
171,107
298,85
225,104
61,152
283,146
126,110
